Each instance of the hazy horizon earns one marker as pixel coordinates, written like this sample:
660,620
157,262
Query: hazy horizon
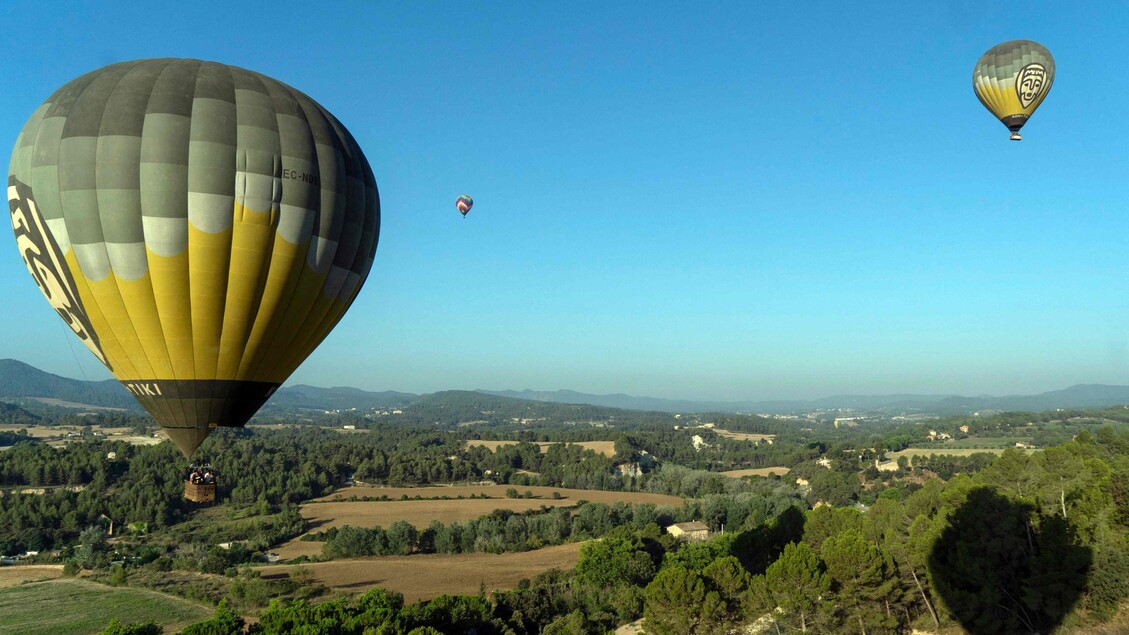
724,203
103,375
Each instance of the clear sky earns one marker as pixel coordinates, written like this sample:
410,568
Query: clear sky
739,200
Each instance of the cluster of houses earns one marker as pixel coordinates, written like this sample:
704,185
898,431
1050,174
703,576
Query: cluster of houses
24,556
945,436
644,463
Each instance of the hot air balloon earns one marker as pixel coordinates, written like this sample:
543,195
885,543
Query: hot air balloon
463,204
200,227
1012,79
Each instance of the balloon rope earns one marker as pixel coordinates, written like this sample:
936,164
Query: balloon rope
70,345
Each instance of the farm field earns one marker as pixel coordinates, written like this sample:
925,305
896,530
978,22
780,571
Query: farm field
757,471
426,576
745,436
912,452
41,432
80,607
986,442
22,574
334,510
56,436
607,448
542,493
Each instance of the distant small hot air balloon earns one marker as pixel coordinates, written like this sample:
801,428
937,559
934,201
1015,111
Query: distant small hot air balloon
1012,79
463,204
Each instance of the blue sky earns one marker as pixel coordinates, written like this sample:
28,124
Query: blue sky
737,201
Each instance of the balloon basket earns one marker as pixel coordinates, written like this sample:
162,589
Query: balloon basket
200,485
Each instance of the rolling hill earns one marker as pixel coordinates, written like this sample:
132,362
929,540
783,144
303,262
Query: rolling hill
20,381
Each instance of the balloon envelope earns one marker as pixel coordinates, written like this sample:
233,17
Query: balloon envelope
1012,79
464,203
200,227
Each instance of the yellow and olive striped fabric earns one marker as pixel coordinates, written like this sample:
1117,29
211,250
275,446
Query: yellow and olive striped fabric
199,226
1012,79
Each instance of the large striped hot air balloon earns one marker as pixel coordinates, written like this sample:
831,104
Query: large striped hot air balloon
463,204
200,227
1012,79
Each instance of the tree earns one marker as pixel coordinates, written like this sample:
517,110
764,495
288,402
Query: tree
834,487
224,622
678,602
575,623
350,542
859,575
798,582
92,546
732,583
612,561
118,576
1105,586
825,521
401,537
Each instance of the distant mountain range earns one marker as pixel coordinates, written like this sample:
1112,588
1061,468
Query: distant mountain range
20,381
315,398
1079,396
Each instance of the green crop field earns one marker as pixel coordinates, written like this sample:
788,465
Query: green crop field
77,606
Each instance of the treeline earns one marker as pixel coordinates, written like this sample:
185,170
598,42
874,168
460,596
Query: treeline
449,409
718,454
947,466
13,414
377,611
8,438
507,531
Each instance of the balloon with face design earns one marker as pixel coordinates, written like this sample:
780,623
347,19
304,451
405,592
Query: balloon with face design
1012,79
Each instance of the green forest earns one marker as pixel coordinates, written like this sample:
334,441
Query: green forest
1012,542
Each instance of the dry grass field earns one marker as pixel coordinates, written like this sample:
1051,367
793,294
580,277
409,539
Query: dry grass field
16,575
334,510
56,436
757,471
426,576
541,493
607,448
745,436
40,432
322,516
912,452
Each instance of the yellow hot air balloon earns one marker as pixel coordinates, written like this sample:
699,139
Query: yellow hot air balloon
1012,79
200,227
